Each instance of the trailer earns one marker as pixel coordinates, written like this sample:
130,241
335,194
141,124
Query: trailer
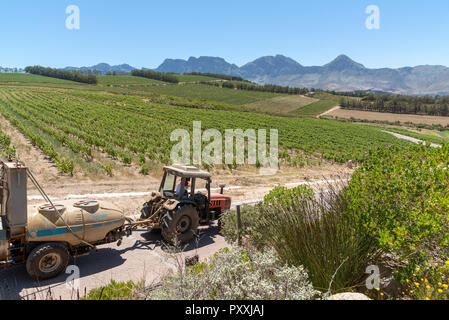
44,238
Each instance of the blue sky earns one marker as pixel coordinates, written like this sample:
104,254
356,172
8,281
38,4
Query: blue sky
144,33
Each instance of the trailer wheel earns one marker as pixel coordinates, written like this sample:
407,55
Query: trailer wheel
47,261
180,225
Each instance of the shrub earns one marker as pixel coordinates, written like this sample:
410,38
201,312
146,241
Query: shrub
429,283
318,234
401,196
107,167
144,169
285,197
65,165
237,274
321,236
249,216
116,291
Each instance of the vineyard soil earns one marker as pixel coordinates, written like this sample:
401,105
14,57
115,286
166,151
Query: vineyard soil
368,115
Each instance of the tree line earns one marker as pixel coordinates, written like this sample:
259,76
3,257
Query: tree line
427,105
77,76
150,74
217,75
249,86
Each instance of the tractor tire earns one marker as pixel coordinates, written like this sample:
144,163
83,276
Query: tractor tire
180,225
47,261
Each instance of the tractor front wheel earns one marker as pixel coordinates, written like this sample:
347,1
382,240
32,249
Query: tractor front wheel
180,225
47,261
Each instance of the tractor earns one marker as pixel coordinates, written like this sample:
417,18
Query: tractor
43,237
181,204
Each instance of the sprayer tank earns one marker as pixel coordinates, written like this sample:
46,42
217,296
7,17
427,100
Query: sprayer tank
90,220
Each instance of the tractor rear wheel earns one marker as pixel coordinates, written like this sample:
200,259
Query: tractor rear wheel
180,225
47,261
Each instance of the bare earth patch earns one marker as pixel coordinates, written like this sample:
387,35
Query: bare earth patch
392,117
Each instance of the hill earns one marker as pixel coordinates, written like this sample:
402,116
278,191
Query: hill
341,74
104,68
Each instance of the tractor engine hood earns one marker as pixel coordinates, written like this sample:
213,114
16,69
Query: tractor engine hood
220,200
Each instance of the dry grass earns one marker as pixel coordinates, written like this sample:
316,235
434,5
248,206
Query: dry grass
392,117
282,104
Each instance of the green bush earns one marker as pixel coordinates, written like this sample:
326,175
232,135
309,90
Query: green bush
285,197
430,282
321,236
317,234
401,196
65,165
249,216
116,291
238,274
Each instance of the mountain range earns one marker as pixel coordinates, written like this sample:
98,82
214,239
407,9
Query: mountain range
104,68
341,74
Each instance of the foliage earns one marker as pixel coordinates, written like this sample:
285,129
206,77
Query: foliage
62,74
216,75
248,86
286,197
435,106
116,291
249,216
320,235
428,283
65,165
209,94
6,149
107,167
401,197
237,274
316,233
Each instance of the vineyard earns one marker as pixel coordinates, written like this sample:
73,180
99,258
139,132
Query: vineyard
81,129
31,78
199,91
126,80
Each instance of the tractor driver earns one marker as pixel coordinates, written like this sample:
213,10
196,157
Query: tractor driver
186,187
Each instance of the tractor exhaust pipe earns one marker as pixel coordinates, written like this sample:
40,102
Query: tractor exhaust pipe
222,186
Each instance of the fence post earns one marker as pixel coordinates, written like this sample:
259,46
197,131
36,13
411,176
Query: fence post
239,226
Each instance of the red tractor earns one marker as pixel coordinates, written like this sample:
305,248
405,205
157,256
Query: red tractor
182,204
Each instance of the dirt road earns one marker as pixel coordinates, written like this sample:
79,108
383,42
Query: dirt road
328,111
